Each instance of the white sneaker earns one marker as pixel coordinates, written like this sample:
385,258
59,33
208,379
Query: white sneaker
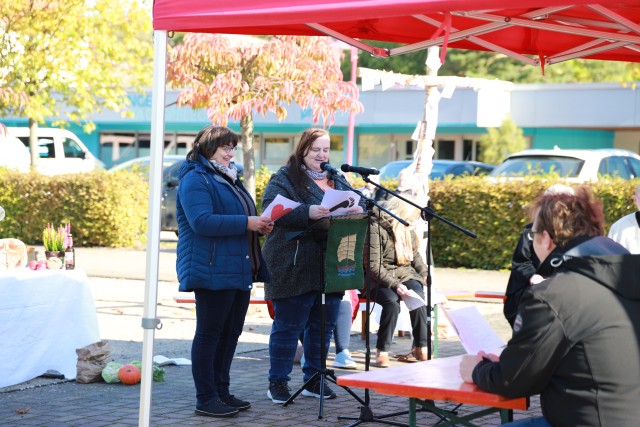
343,360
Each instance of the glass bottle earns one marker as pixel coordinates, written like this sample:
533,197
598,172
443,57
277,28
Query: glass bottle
70,255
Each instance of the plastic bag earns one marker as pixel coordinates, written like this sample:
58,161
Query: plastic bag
92,359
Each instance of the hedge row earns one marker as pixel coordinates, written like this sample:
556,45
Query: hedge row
110,210
497,213
104,209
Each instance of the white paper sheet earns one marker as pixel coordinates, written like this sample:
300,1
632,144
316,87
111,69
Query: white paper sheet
164,361
474,331
279,207
412,300
339,202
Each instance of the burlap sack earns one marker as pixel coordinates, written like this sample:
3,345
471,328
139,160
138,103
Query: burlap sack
91,361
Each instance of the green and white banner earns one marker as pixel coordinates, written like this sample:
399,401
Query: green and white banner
343,259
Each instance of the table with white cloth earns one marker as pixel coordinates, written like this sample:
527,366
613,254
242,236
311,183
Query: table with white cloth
44,317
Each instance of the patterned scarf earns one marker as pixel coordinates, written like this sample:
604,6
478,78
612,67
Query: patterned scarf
316,176
230,171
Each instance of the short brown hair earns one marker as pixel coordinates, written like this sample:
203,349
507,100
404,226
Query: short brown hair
567,216
209,139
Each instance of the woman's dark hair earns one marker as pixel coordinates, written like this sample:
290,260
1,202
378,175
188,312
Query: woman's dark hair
567,216
209,139
294,164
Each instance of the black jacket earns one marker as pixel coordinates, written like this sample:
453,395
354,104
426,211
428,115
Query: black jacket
576,340
524,264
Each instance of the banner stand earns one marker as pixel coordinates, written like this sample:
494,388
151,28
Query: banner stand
342,238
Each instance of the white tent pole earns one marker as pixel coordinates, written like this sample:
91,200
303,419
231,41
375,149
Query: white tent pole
149,320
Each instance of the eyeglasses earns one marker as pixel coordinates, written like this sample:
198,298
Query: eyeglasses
531,234
228,148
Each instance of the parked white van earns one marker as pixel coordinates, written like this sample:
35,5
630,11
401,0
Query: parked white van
13,153
60,151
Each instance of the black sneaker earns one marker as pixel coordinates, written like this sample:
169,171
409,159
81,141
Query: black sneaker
279,391
313,390
234,402
218,409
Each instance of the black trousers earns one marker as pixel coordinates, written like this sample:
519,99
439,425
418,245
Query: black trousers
390,303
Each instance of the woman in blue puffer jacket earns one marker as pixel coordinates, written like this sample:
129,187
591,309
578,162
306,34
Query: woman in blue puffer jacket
218,258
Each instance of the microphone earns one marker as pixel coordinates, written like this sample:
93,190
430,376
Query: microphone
358,169
325,166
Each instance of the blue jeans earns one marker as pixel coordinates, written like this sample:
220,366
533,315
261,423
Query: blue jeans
342,333
529,422
219,322
293,316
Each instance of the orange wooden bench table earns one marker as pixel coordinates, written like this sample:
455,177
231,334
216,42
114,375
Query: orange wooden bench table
436,379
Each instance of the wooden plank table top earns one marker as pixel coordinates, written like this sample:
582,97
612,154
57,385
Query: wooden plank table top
436,379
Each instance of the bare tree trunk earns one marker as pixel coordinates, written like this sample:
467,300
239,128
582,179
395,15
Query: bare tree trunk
33,144
246,129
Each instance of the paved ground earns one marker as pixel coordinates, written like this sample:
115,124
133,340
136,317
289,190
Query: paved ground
115,280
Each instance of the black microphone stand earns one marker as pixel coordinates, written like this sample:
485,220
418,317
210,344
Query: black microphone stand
318,227
427,214
366,413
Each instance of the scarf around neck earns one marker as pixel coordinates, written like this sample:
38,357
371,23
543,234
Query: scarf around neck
316,176
230,171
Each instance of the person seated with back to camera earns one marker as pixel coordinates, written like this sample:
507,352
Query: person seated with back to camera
395,268
576,334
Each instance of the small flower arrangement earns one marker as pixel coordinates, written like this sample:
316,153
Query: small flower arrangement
53,239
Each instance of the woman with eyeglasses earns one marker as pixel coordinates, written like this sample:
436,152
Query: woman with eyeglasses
576,334
218,258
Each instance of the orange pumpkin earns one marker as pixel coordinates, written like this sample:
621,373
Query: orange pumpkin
129,374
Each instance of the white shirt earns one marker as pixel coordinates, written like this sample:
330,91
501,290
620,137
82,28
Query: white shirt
626,232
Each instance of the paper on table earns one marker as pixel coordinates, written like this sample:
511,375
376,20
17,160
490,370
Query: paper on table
474,331
164,361
339,202
279,207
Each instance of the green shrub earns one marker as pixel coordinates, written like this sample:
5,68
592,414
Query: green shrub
497,213
104,209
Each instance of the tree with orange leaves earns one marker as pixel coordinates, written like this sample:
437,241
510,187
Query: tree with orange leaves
233,77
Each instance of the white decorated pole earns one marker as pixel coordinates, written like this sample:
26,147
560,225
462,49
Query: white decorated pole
436,87
424,151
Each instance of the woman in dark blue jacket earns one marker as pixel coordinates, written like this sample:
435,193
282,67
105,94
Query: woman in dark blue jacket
218,258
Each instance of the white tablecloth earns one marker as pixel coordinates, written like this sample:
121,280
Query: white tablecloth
44,317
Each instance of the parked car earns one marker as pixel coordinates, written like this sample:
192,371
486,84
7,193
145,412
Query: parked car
574,165
440,169
13,153
60,151
170,181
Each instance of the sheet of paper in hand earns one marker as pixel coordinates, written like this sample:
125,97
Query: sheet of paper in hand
474,331
412,300
339,202
279,207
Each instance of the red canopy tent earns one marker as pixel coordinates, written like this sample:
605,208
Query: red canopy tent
533,31
554,30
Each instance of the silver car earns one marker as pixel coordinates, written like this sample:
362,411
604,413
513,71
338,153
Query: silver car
574,165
